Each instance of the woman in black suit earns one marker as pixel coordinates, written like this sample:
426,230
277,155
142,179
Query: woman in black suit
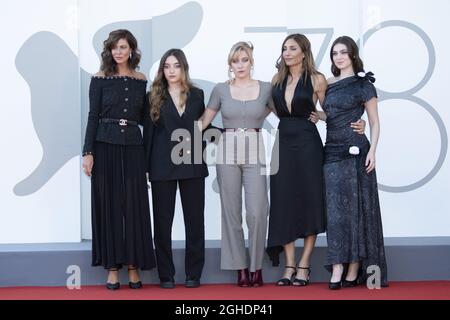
174,158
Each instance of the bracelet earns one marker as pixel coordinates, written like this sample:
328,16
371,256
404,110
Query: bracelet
87,153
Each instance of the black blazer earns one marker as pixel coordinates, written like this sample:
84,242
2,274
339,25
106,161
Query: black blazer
160,147
115,98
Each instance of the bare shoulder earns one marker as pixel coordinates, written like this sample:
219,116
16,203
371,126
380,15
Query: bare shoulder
100,74
319,81
331,80
140,75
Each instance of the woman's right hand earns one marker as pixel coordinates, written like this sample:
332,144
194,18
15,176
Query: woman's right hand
88,163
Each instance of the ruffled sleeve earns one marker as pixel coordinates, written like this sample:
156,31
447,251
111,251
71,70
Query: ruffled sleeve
368,90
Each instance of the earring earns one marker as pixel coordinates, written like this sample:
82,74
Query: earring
131,55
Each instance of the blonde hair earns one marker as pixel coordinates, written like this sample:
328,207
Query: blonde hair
238,47
308,65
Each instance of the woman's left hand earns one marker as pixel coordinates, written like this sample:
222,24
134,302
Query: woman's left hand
370,161
359,126
314,117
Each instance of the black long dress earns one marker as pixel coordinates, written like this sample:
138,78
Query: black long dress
296,190
354,229
121,229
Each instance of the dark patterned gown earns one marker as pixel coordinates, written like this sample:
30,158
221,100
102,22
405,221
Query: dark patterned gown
354,229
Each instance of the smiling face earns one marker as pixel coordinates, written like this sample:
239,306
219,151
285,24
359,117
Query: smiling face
341,57
292,53
121,51
172,70
241,65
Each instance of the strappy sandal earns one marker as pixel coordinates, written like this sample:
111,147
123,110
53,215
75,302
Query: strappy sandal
283,282
301,282
113,286
134,285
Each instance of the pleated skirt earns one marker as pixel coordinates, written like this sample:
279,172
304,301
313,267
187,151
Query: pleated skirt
121,226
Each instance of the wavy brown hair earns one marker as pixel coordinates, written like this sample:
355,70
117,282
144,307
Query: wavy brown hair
109,65
353,54
309,66
160,87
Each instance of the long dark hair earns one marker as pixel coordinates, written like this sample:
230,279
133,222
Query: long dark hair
353,53
109,65
159,90
308,65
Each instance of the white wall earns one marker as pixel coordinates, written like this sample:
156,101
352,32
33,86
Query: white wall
50,49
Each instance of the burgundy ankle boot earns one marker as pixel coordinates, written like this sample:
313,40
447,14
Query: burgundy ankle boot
256,278
243,278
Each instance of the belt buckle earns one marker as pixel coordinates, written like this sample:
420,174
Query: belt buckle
241,129
123,122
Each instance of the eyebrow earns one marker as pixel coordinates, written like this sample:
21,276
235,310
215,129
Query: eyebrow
343,50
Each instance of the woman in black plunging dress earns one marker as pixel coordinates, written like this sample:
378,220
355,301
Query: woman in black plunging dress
114,158
296,190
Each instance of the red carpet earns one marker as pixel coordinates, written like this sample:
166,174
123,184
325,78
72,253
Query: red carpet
426,290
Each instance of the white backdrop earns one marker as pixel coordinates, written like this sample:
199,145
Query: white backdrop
51,48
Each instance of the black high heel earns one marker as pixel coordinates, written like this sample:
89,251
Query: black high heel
349,284
113,286
134,285
335,285
352,283
283,282
301,282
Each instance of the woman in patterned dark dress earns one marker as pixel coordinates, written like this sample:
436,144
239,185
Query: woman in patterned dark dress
354,229
121,230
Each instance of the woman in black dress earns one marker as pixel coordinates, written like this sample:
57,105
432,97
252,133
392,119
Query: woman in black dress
175,160
296,190
114,158
354,233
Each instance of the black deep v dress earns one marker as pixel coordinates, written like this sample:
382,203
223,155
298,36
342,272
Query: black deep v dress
296,190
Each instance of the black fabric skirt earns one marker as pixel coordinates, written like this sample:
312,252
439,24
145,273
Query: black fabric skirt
355,230
296,190
121,227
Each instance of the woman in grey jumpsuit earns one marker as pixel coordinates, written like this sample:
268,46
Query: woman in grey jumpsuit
244,103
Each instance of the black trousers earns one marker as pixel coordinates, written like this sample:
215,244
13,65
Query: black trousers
192,192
